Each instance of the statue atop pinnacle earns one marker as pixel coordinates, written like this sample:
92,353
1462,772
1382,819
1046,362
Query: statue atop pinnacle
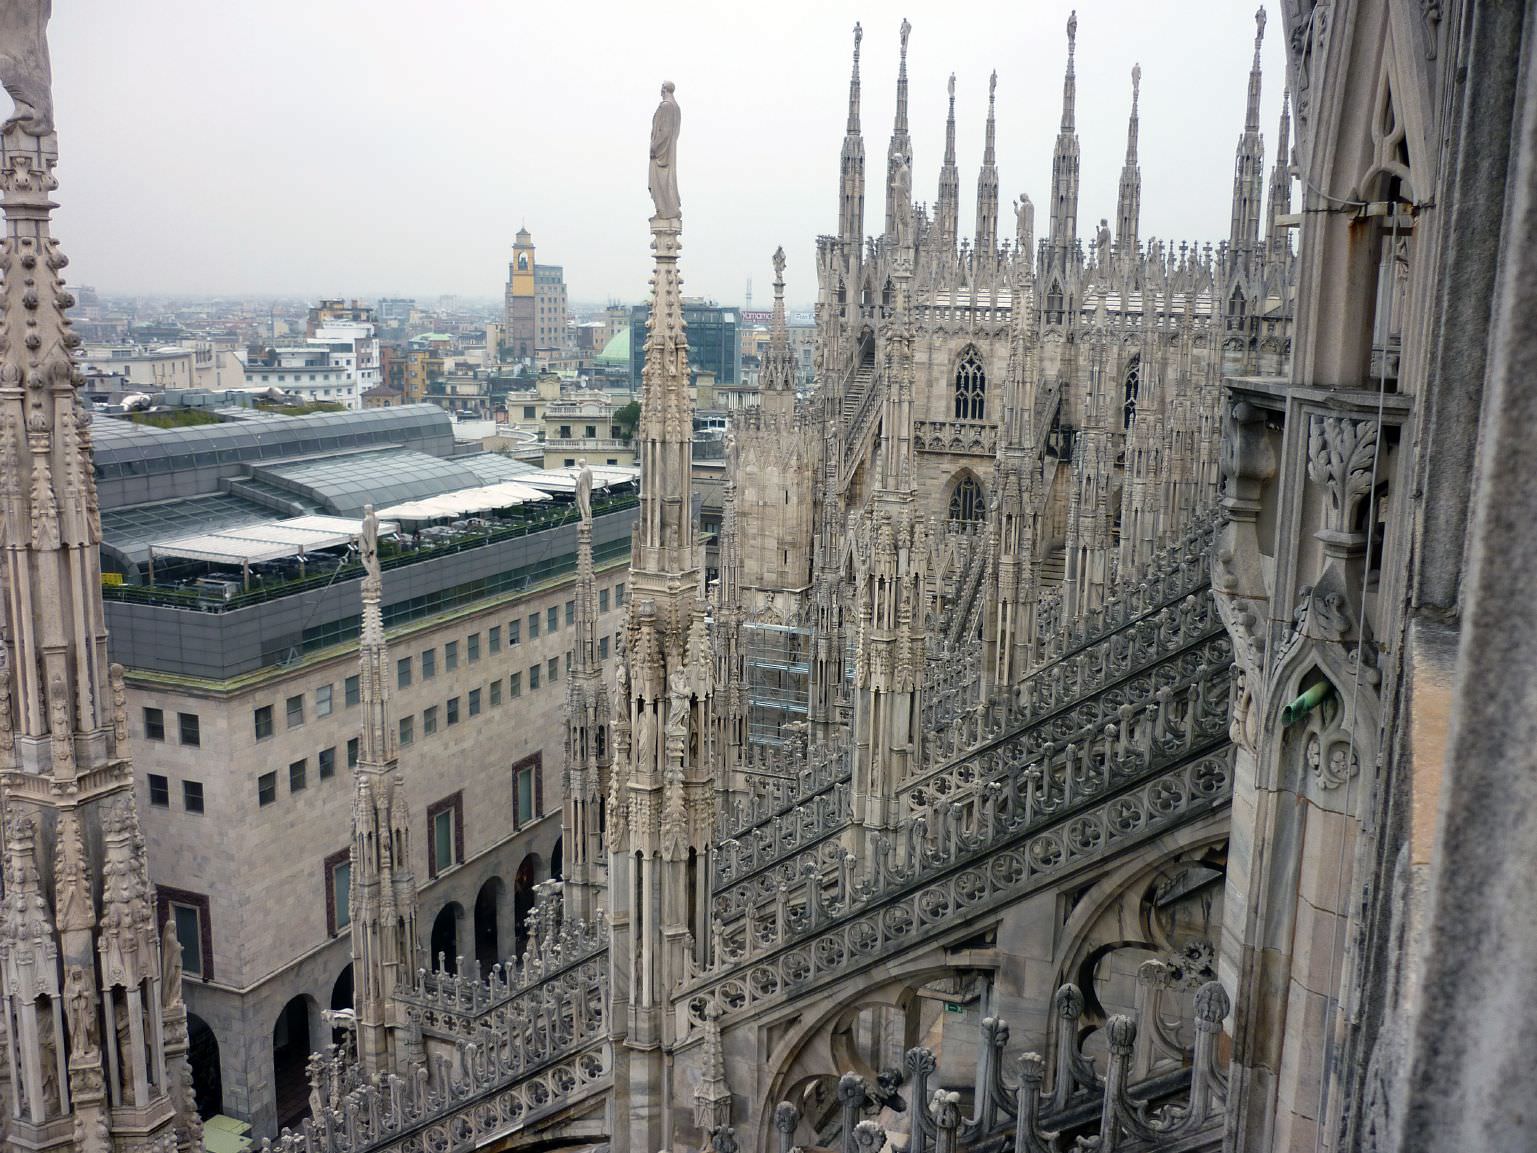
663,180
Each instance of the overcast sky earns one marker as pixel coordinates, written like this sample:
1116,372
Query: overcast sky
370,147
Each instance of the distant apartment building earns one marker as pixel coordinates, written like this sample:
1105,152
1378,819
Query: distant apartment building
552,338
233,603
712,340
147,369
338,311
305,372
581,425
354,345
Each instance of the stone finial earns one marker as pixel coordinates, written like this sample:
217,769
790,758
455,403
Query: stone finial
906,31
1072,36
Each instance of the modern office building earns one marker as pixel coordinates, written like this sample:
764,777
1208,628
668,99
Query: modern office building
232,599
712,340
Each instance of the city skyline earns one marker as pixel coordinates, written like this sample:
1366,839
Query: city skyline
288,179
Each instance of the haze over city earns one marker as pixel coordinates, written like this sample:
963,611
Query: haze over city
387,148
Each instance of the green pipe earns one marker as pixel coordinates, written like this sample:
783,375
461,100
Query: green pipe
1306,703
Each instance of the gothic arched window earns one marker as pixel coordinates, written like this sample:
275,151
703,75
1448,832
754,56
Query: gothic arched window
966,503
970,387
1133,384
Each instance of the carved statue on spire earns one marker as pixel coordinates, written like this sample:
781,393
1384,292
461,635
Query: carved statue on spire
664,147
25,70
584,492
368,542
779,261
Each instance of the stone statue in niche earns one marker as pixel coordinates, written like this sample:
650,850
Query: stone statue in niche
663,180
25,70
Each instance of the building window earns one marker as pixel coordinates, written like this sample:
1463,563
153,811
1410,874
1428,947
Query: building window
353,691
603,648
295,711
154,725
472,648
527,790
429,664
453,710
323,701
450,656
190,911
327,763
514,632
402,672
352,752
528,412
445,821
297,775
571,612
494,638
192,796
603,600
338,869
533,626
474,702
263,719
159,791
266,789
407,730
533,677
496,692
552,669
515,685
1133,386
966,503
970,387
619,594
189,729
429,720
552,618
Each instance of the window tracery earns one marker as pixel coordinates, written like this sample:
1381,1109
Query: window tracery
970,387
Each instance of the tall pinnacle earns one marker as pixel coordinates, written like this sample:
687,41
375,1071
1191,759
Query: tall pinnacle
1248,169
1129,204
1251,117
1070,79
987,178
1065,159
949,207
664,537
901,142
778,376
1278,236
851,188
382,899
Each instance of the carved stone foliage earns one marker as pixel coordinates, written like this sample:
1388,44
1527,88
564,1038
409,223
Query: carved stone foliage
1340,455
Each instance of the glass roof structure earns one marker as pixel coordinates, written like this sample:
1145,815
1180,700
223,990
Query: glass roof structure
125,449
127,532
344,484
273,540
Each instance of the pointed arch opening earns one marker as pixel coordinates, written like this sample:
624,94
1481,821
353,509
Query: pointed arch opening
970,386
968,503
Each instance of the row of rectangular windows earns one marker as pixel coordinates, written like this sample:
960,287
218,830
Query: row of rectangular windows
492,695
293,707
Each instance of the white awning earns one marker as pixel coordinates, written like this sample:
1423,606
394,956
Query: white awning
464,501
564,479
274,540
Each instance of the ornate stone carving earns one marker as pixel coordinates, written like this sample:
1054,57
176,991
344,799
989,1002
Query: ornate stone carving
663,178
1340,456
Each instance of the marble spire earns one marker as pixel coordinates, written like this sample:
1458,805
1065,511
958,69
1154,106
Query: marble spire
1249,166
948,208
851,186
96,1024
900,152
1129,202
987,178
1065,157
382,900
